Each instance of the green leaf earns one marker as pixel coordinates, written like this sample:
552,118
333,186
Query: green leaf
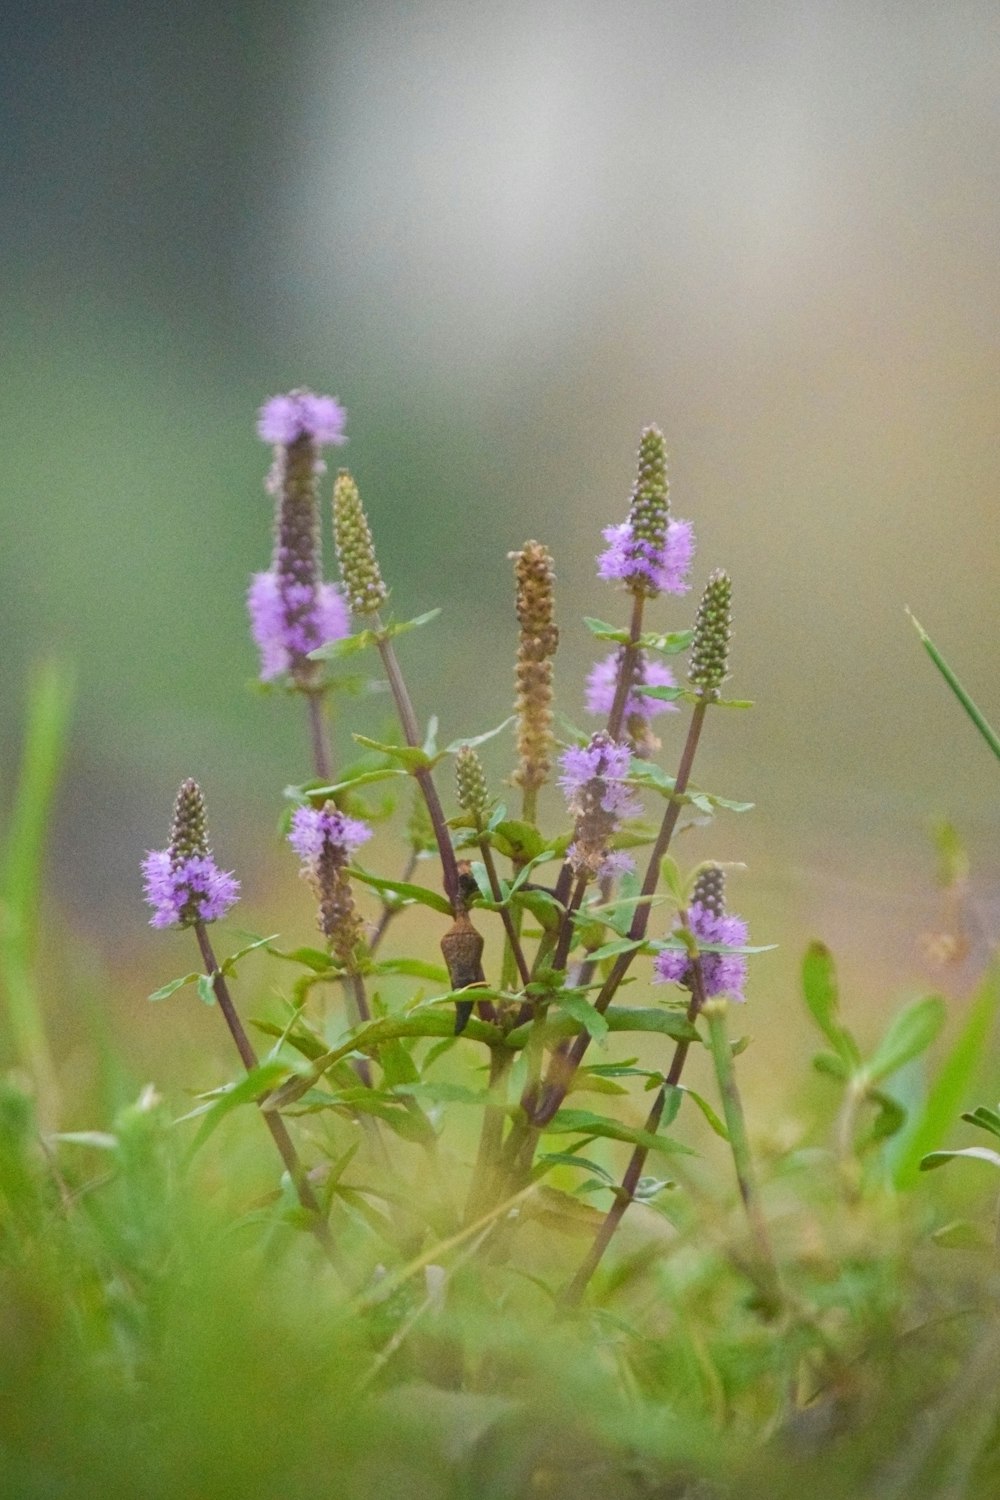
309,958
605,632
961,1234
819,986
397,1065
911,1033
732,703
415,968
350,784
517,840
664,694
176,984
670,644
585,1122
410,756
229,964
575,1004
980,1153
206,989
403,891
549,1159
832,1065
889,1121
477,739
545,909
612,950
706,1109
401,627
954,1079
986,1119
988,733
249,1089
619,1018
446,1093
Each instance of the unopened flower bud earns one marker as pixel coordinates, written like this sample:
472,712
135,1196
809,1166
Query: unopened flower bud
470,778
537,643
363,585
709,663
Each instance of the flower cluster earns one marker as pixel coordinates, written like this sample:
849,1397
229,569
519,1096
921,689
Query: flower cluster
314,828
603,679
183,884
649,552
324,838
600,799
292,610
721,973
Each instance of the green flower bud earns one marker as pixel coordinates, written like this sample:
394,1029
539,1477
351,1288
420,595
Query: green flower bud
709,663
359,569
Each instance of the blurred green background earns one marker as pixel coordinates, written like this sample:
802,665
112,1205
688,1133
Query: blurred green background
507,236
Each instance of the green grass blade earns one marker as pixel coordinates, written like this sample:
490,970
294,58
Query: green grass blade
985,729
950,1089
49,701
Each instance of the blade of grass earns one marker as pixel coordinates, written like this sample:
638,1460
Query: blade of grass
985,729
50,698
950,1089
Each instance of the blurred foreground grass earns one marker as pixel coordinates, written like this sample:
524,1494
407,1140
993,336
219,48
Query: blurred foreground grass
169,1330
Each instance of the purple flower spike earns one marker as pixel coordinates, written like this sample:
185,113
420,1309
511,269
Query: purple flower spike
722,973
197,890
283,419
663,569
601,689
315,828
285,631
599,799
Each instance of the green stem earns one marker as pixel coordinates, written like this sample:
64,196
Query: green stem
769,1282
274,1122
411,733
626,669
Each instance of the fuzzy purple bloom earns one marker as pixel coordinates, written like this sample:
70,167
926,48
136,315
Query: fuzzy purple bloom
722,973
286,627
629,557
316,828
606,759
192,890
599,798
283,419
603,679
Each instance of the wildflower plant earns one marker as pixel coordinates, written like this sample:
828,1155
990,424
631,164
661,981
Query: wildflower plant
574,913
523,1235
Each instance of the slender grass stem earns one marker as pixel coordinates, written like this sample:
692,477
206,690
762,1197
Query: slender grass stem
274,1122
497,893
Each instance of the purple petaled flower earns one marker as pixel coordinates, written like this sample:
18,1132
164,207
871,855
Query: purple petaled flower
317,828
286,626
604,678
283,419
722,973
661,568
192,889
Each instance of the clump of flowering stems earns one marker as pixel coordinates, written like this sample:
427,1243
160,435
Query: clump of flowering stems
558,982
186,888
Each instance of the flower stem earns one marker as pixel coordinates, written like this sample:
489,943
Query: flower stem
273,1121
625,1194
566,1060
319,734
626,669
508,922
411,733
732,1107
